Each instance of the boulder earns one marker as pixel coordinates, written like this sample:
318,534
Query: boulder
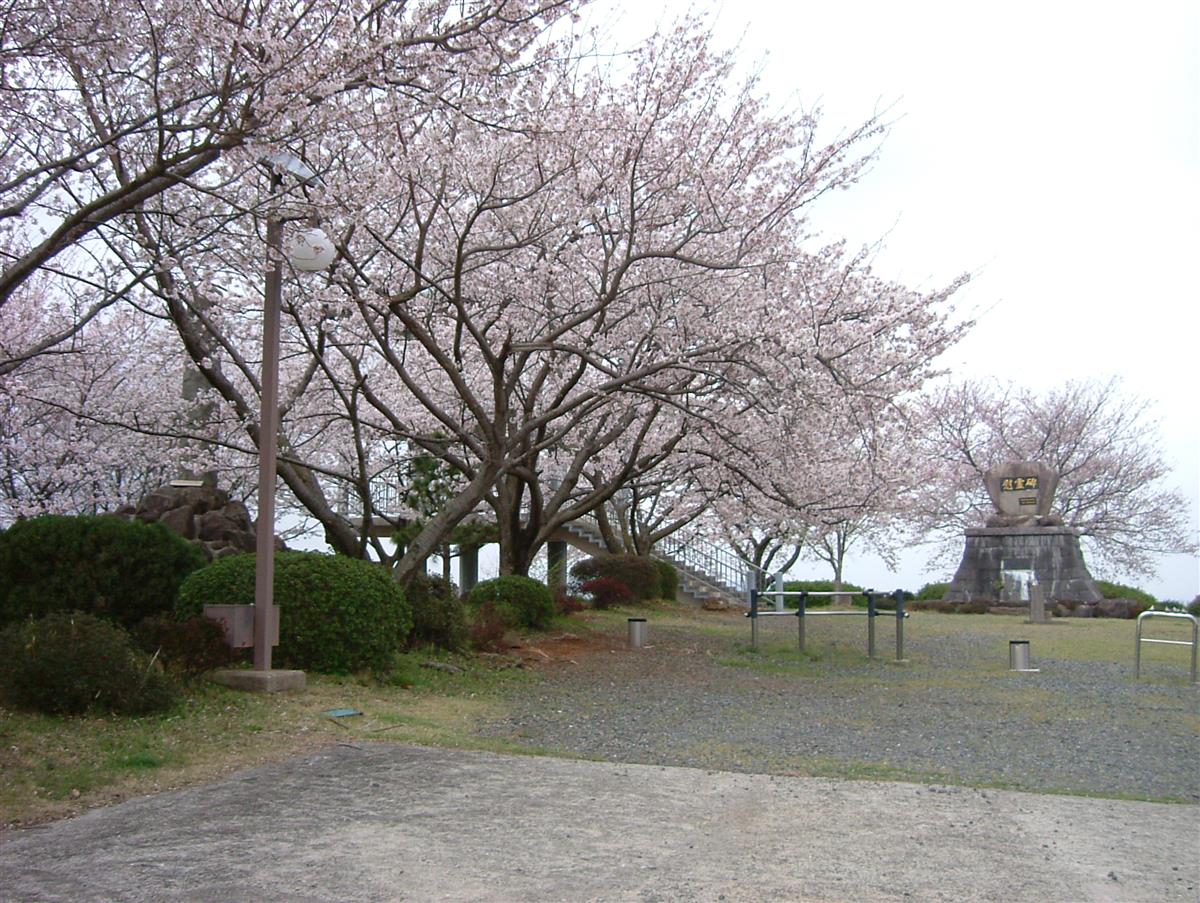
1118,608
206,515
179,520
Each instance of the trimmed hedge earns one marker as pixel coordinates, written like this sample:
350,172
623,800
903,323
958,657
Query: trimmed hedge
439,618
107,566
336,614
637,572
70,662
517,601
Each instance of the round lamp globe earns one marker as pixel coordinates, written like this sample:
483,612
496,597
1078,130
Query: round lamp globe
310,250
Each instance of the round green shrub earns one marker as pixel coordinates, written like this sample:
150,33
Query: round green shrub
70,662
107,566
439,618
637,572
336,614
1117,591
668,579
518,601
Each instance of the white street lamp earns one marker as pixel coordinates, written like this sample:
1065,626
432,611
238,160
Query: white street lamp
309,250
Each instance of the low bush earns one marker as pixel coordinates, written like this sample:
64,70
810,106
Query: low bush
439,618
68,663
668,580
944,607
117,569
519,602
606,592
637,572
486,633
818,586
1117,591
336,614
566,603
931,591
884,601
188,648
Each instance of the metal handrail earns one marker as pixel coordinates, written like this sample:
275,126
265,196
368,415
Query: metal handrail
716,562
1139,639
385,498
711,563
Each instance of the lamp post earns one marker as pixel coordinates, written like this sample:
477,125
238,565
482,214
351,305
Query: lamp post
310,250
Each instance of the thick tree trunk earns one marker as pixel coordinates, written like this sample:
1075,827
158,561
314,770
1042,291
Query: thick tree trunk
438,528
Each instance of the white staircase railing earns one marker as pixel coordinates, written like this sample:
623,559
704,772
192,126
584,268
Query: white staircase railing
706,565
703,566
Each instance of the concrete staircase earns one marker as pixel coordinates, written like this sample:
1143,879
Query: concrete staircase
703,576
706,572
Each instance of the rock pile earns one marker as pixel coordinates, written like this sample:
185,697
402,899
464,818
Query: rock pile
1105,608
205,515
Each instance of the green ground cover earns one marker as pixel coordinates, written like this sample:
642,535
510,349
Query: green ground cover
55,766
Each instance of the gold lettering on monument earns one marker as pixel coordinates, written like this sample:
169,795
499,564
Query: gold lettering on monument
1019,484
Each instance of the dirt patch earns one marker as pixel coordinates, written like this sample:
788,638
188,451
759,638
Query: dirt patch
563,650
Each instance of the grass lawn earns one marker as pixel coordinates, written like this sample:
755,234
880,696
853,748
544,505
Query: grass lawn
51,767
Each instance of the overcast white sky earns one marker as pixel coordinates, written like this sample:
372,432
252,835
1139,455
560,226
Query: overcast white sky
1051,149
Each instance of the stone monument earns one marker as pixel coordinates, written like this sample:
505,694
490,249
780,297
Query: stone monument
1024,550
200,513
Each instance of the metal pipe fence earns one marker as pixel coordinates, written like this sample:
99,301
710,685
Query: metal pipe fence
1139,639
802,613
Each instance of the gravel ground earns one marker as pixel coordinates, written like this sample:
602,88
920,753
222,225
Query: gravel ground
1074,727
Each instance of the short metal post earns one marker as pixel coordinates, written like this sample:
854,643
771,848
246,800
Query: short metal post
898,595
1137,650
754,619
801,610
1018,656
870,594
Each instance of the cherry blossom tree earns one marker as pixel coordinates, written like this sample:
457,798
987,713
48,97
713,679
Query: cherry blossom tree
1102,442
552,277
97,424
107,106
819,441
514,300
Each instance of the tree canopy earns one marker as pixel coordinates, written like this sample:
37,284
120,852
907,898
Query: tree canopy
554,277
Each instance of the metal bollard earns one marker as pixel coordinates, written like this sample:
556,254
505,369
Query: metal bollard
637,632
1018,656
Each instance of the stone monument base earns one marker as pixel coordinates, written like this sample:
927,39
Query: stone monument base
1001,564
